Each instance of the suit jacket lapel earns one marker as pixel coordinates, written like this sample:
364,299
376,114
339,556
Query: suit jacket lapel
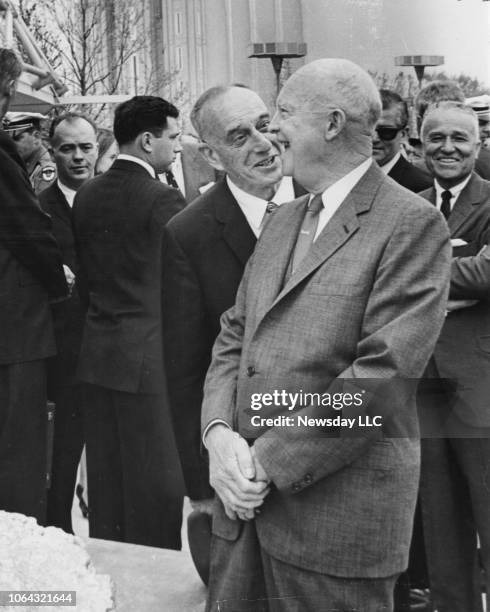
60,206
338,230
236,231
470,196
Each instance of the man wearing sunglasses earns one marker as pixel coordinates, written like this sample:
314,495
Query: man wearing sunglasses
387,140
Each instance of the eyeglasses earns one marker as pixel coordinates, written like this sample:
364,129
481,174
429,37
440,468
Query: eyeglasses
387,133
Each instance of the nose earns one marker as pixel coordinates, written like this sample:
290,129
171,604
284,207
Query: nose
274,124
448,144
77,153
262,140
178,147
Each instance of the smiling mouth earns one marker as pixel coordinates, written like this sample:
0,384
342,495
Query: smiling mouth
447,160
265,163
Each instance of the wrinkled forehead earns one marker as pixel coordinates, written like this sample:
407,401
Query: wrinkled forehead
304,91
235,108
77,130
449,121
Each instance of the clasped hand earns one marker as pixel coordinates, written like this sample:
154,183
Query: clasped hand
235,473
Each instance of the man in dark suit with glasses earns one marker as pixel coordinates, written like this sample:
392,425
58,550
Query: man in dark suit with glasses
387,140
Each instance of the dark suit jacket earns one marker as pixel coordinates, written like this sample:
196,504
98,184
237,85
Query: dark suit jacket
410,177
30,265
207,247
462,353
69,315
363,310
119,218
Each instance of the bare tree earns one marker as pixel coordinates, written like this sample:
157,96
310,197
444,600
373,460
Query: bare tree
99,46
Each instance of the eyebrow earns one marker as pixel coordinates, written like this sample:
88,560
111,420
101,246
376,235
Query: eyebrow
241,127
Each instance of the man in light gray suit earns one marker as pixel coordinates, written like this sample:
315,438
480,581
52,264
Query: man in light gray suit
352,318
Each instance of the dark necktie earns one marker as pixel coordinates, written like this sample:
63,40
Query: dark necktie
170,178
446,203
307,232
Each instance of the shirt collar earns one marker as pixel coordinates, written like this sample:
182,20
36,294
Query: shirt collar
253,207
138,160
67,192
389,165
455,190
334,195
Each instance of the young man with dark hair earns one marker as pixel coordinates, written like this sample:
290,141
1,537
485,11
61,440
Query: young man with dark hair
133,468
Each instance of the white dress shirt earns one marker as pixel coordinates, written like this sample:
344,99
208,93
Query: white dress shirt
67,192
139,161
334,195
455,191
254,208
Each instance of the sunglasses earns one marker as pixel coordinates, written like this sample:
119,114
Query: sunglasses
387,133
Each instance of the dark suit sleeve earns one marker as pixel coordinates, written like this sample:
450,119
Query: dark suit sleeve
25,230
470,277
186,349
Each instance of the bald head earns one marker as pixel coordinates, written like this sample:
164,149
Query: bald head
325,117
340,83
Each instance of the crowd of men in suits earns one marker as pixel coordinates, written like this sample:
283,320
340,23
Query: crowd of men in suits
309,266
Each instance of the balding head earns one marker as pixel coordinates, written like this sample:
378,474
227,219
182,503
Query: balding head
326,114
339,83
232,123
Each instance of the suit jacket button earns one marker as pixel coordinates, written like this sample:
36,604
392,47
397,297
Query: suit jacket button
250,371
308,479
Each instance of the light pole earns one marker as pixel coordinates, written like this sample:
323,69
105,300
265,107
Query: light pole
278,51
419,62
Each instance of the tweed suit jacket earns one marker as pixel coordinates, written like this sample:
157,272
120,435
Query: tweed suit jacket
462,353
119,218
31,269
365,306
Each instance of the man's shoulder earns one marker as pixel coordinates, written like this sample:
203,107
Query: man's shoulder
409,176
203,210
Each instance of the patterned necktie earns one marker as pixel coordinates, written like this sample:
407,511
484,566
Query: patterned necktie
446,203
269,209
170,178
307,232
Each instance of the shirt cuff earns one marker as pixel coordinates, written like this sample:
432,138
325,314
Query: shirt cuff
208,427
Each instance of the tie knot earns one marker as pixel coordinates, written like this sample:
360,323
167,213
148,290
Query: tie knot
316,204
271,207
446,196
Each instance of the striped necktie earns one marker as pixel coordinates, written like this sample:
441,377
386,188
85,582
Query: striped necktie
307,232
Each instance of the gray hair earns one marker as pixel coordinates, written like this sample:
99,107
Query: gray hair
449,105
198,112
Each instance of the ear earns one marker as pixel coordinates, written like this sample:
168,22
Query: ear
210,156
146,141
334,124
